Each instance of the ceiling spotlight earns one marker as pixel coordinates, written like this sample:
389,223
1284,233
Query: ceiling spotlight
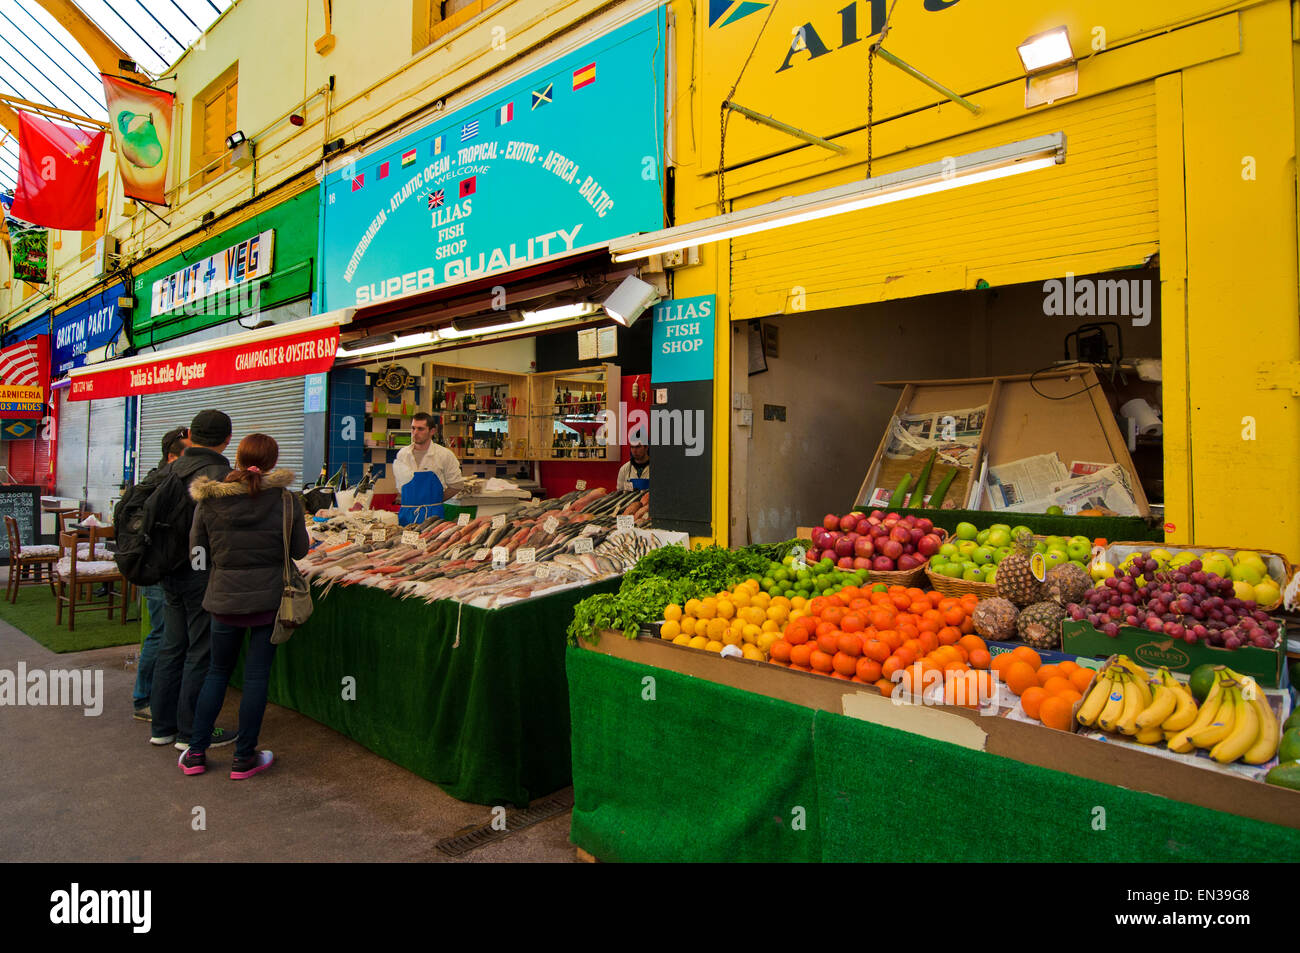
373,341
128,66
495,320
1046,50
629,300
235,138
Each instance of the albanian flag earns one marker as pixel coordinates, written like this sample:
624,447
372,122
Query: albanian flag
58,174
140,119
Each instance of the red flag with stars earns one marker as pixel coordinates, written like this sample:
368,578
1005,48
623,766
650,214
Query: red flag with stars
58,174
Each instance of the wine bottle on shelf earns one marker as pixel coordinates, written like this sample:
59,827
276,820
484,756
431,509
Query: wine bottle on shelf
324,476
582,446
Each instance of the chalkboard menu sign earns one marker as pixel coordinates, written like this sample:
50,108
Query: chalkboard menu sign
23,503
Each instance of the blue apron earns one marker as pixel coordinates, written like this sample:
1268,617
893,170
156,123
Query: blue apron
421,499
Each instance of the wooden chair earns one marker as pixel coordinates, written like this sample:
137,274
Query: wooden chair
76,572
22,558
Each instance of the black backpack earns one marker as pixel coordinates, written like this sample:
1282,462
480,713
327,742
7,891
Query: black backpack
153,529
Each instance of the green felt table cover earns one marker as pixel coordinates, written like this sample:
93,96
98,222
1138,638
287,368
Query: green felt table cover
487,719
709,772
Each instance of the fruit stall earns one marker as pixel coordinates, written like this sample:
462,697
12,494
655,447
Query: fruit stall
778,702
440,646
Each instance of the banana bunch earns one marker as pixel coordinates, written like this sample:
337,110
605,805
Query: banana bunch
1235,722
1124,700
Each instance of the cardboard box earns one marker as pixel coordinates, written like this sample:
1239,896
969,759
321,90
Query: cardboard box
1153,651
1031,743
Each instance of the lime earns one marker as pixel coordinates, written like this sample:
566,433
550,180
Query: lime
1292,722
1201,681
767,583
1055,511
1289,749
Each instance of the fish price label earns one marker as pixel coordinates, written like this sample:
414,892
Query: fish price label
379,535
481,554
526,555
410,538
335,539
543,571
580,486
582,545
551,525
500,557
624,523
499,520
462,519
359,536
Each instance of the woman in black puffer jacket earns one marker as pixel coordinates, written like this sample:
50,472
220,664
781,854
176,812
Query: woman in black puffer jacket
239,524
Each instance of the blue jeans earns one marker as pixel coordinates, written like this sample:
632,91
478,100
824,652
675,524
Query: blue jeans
157,605
182,661
226,643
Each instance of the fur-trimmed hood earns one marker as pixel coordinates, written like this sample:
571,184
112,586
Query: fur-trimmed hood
204,488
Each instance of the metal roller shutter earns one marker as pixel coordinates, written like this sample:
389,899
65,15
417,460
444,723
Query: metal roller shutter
270,407
1095,212
92,441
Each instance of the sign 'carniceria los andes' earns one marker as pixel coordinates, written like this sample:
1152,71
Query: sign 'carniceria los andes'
565,158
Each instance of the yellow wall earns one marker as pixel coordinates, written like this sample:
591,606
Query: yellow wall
1173,95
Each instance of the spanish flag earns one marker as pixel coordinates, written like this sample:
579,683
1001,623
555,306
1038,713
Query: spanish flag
585,76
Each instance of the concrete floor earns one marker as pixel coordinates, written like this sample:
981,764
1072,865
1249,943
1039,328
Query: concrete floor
92,789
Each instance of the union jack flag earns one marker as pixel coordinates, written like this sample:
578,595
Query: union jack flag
436,199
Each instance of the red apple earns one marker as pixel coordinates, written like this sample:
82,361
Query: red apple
863,546
925,524
882,564
900,534
909,561
849,522
843,546
861,562
928,545
845,563
876,515
916,533
831,521
891,548
877,531
818,537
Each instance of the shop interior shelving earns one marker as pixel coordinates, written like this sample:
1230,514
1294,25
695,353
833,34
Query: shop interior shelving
565,409
478,414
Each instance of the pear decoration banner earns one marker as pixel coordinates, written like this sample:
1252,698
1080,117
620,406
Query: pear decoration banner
140,120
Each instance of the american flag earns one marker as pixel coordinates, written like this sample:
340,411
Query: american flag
20,364
436,199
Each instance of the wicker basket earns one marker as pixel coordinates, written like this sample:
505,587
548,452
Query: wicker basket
909,578
1287,569
951,586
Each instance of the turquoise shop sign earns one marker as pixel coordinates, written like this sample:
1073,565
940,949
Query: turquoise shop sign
561,160
682,340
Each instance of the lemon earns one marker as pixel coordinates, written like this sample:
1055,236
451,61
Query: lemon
798,602
766,639
682,639
741,597
752,652
726,609
716,628
672,612
688,625
761,599
713,647
732,637
781,601
751,632
693,608
770,625
698,642
670,630
708,608
777,613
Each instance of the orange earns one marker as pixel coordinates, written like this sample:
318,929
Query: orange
891,637
852,623
954,614
824,627
850,644
861,606
779,651
876,649
801,668
868,670
961,653
972,643
844,664
1068,667
829,642
929,641
882,618
1055,713
967,626
1024,653
1001,661
961,689
1070,695
799,654
1019,676
1081,678
1056,684
914,646
1032,698
906,655
956,667
834,614
949,635
979,659
821,661
778,662
840,675
886,687
816,605
1046,672
892,664
900,599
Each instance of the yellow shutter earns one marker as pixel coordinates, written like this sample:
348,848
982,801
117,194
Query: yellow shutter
216,117
1095,212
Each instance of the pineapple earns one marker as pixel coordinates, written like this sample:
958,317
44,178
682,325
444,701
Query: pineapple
1015,580
995,619
1040,624
1066,583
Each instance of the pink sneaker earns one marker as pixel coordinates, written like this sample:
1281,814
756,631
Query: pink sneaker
241,768
193,762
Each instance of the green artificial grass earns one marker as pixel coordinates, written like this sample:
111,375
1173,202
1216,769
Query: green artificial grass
33,614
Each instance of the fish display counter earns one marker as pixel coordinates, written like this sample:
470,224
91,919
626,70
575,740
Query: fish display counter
443,664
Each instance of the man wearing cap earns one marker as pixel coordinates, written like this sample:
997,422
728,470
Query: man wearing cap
174,443
182,662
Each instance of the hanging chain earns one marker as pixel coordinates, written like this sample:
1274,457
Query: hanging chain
871,101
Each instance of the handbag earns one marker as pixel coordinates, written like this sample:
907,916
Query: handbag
295,602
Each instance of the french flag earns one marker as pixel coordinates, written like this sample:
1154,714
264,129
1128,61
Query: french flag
505,114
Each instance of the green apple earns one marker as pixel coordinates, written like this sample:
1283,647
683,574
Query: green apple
983,556
1080,563
1247,556
990,573
974,574
1055,557
998,537
1055,542
1017,530
966,531
1055,511
1001,526
1181,560
1001,553
982,536
1217,563
1078,550
1040,546
948,549
967,546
